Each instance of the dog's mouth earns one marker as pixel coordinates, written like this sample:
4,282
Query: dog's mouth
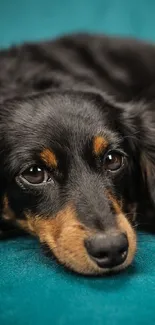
80,249
66,238
71,251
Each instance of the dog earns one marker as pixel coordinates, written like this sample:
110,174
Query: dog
77,147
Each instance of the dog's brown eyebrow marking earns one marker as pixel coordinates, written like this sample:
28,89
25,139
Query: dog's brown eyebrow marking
49,157
99,144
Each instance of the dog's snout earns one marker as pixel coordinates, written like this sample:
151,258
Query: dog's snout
108,250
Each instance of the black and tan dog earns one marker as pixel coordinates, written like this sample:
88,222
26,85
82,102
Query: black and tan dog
77,147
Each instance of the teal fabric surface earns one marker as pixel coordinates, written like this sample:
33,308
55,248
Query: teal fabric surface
33,289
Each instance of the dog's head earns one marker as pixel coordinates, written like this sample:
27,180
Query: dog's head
71,175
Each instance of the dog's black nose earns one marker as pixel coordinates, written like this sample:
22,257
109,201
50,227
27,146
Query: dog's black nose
108,250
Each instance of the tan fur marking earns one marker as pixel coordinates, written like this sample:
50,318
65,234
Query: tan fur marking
49,158
65,236
5,201
126,227
99,145
7,212
115,203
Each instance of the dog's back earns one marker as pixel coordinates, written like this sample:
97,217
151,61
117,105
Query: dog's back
120,67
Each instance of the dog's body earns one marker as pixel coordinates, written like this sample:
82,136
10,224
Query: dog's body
77,147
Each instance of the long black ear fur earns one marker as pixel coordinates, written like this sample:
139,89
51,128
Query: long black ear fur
139,128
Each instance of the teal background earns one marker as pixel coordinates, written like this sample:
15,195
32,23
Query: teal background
34,289
36,19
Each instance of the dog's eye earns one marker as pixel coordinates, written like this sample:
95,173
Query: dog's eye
35,175
113,161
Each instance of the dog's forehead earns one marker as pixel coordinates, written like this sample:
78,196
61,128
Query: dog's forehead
61,118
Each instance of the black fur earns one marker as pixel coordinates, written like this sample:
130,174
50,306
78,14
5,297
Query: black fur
60,95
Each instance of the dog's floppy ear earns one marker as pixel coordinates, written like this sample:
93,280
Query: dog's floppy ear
139,135
148,172
136,62
139,121
146,140
147,161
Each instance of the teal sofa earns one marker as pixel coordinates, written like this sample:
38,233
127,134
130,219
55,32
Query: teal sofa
35,290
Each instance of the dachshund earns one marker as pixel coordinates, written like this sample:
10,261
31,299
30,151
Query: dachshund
77,147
